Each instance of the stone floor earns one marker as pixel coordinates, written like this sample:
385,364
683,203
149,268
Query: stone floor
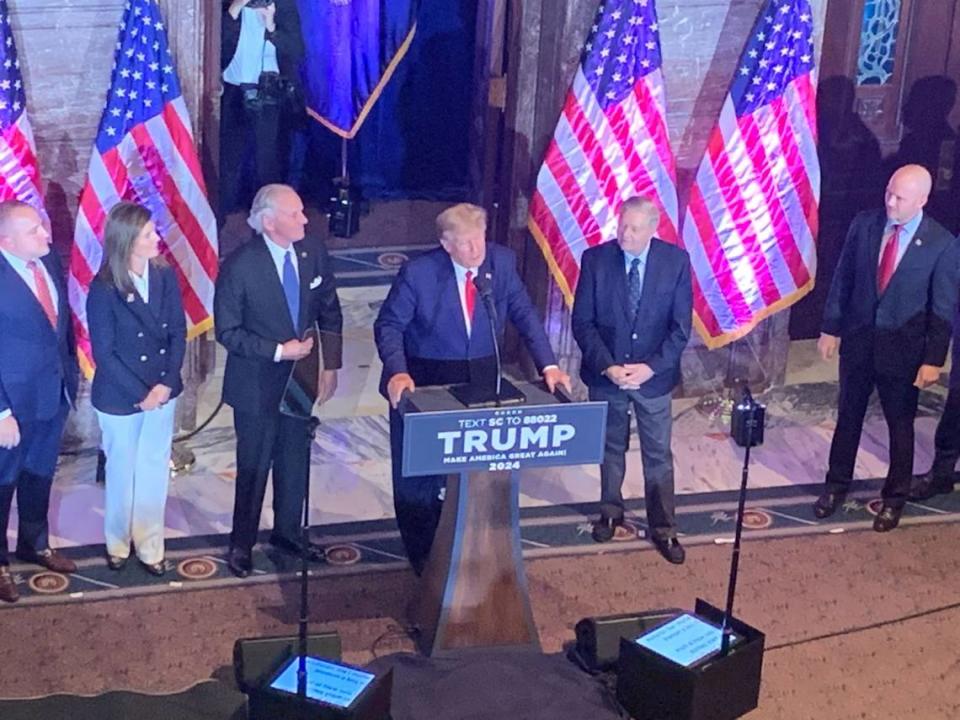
351,475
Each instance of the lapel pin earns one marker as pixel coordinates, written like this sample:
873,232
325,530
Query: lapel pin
918,242
303,254
130,297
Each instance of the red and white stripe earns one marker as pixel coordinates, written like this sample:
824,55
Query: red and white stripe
751,221
19,170
156,165
597,159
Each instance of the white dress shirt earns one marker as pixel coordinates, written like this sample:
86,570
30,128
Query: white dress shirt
254,55
279,255
141,283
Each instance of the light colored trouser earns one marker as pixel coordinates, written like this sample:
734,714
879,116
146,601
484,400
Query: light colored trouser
138,469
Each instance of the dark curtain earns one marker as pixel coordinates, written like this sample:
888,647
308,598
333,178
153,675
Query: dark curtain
414,142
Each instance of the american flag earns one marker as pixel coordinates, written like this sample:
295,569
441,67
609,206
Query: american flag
752,217
144,153
611,142
19,173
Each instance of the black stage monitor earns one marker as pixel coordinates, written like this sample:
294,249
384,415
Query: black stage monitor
333,691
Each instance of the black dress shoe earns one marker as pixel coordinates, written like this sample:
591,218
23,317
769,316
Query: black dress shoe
930,484
887,519
158,568
315,553
604,529
239,562
827,504
115,562
671,549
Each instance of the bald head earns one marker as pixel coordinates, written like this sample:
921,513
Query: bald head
907,193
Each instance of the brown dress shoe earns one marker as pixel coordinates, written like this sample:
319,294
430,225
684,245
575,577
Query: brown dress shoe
8,588
50,559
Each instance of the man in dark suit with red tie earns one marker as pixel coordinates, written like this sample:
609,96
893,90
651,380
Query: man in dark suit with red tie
270,292
433,329
889,312
38,383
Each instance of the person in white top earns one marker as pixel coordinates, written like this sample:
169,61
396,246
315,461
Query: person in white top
261,50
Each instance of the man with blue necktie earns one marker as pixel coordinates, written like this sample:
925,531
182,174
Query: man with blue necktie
889,314
269,293
631,318
38,383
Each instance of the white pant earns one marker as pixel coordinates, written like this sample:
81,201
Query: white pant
138,469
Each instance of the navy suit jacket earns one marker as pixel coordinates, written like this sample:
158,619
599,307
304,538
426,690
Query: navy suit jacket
910,324
252,318
135,345
37,363
609,334
422,317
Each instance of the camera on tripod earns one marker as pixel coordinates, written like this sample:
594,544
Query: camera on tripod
747,421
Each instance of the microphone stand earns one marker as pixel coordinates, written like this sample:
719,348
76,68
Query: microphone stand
735,559
486,294
312,424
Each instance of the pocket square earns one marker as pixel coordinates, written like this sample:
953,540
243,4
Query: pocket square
315,283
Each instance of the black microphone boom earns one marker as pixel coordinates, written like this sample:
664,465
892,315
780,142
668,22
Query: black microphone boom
484,284
477,394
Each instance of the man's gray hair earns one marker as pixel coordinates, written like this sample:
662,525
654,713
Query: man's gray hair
263,202
641,202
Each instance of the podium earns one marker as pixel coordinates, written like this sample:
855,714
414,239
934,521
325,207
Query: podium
473,591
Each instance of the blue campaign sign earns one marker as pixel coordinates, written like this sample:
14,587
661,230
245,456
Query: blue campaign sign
439,443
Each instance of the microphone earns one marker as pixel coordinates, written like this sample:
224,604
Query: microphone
483,282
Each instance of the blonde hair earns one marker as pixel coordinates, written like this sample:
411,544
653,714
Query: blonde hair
463,216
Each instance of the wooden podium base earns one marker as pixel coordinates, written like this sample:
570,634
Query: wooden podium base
473,592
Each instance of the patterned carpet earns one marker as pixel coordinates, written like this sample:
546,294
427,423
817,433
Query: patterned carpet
358,548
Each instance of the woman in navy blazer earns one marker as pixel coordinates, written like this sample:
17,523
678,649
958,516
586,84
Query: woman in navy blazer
138,337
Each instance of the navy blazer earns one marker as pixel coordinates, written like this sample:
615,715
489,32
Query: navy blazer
252,318
910,324
609,334
136,345
422,317
38,365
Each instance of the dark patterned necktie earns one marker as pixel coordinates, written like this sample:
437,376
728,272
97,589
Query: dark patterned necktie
633,285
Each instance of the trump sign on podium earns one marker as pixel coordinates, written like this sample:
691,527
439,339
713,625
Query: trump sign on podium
502,438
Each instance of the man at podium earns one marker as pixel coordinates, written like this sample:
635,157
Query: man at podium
433,329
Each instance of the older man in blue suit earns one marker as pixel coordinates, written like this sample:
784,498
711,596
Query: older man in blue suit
631,318
38,383
433,330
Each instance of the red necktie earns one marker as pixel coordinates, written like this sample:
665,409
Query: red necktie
888,261
470,295
43,292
